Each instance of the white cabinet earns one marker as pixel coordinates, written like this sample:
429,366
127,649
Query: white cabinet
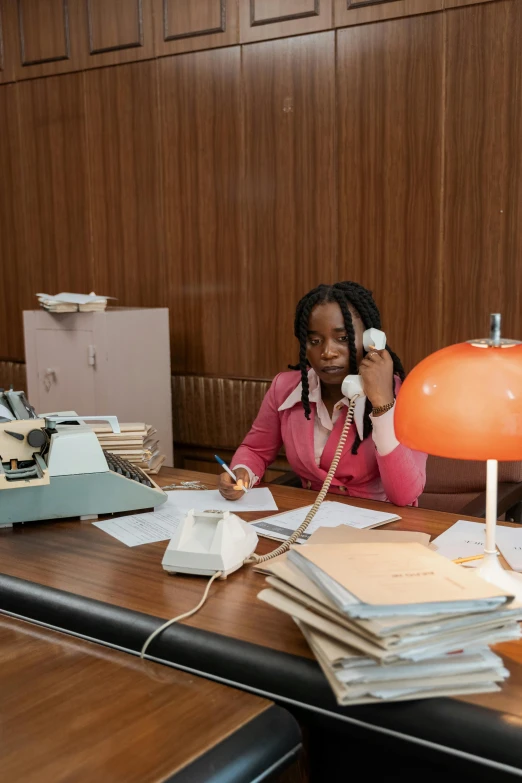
116,362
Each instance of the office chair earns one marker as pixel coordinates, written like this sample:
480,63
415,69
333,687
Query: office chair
459,487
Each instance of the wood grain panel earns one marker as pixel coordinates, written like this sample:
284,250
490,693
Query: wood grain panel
390,98
13,263
263,19
201,151
90,713
44,31
42,37
57,252
355,12
6,65
122,121
183,25
290,196
117,31
483,204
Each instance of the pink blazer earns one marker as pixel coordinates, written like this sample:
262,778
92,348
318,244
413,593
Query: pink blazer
398,477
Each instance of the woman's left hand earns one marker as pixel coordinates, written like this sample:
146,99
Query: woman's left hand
376,371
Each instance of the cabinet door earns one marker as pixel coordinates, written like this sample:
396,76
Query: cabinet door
351,12
117,31
185,25
66,380
6,70
262,19
40,37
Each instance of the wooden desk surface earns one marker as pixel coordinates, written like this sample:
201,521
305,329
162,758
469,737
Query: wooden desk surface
78,558
76,711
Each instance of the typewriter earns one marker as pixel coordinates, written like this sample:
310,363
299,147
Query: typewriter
53,467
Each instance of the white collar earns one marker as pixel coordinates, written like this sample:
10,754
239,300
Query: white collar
314,395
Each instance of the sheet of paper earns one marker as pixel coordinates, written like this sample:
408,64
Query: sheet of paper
210,499
330,514
137,529
463,539
509,540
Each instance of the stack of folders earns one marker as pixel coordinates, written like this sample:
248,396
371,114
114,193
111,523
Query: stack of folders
138,443
394,621
72,303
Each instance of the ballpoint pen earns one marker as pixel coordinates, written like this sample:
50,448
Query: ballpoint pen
225,467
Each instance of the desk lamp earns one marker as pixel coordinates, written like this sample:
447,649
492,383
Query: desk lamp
465,402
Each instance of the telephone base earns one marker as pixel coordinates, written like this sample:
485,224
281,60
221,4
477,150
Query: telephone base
207,542
200,571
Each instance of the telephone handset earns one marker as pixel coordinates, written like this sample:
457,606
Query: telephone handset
352,384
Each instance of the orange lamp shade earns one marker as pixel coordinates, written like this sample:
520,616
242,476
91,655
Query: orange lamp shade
464,402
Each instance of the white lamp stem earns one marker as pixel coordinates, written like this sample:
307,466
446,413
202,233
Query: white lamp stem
489,567
491,504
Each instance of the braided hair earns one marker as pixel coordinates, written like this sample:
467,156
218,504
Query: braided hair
344,294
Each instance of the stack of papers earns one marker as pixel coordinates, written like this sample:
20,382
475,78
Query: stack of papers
393,621
138,443
72,303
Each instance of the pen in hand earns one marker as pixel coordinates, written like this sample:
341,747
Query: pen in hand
230,473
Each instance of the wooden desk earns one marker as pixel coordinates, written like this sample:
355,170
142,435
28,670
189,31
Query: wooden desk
67,568
76,711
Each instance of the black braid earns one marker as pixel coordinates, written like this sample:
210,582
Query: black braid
345,294
301,332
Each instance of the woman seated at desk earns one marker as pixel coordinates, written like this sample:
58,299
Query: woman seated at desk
305,409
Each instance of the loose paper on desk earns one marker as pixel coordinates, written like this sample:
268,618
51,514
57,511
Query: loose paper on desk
137,529
206,500
161,524
463,539
509,541
330,514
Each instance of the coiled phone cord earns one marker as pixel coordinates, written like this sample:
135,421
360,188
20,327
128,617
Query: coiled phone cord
255,559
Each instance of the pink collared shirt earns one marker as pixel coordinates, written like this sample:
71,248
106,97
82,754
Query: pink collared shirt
382,469
383,426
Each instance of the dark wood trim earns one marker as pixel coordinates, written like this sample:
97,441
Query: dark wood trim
286,18
194,33
105,49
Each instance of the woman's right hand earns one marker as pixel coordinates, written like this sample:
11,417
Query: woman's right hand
226,484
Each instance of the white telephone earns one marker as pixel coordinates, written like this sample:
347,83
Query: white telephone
211,542
352,384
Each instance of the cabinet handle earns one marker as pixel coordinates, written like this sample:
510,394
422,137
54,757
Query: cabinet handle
92,356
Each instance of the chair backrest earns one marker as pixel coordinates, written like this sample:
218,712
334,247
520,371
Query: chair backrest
452,483
214,412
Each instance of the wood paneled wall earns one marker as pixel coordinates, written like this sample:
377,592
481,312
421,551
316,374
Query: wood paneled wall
225,182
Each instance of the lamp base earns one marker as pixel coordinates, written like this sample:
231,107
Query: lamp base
491,570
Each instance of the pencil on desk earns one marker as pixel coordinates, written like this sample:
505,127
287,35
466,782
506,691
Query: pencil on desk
461,560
